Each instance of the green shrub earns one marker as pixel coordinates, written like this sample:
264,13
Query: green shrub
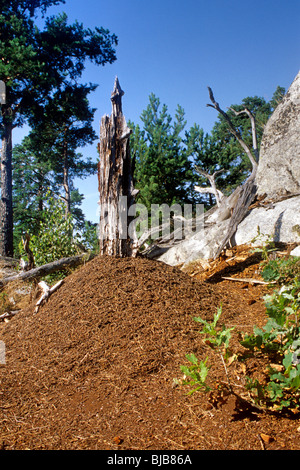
218,339
55,237
279,340
195,375
277,344
281,270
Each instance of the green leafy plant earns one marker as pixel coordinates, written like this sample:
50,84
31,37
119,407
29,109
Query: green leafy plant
279,340
55,239
277,344
89,239
281,270
216,339
196,374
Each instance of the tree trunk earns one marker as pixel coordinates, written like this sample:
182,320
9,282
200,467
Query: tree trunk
6,207
116,183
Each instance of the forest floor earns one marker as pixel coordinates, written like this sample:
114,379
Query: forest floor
97,366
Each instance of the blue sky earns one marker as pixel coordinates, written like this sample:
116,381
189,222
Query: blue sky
175,49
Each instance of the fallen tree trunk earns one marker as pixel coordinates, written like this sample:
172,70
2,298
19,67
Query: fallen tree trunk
41,271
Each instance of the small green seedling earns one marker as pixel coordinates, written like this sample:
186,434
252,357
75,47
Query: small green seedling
216,339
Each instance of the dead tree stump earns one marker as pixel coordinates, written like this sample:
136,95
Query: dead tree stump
117,234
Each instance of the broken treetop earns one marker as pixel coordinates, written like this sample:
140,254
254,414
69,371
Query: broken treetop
116,99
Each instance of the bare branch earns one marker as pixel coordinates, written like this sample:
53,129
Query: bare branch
253,127
25,242
204,190
233,131
213,189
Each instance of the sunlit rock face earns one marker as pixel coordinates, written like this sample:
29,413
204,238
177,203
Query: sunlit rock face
278,171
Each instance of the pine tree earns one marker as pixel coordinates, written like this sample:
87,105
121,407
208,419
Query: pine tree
62,126
162,167
32,178
33,64
204,154
47,160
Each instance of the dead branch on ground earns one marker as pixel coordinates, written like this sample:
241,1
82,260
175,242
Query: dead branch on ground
46,292
49,268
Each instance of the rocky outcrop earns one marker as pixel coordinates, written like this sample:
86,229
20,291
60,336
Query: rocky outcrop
203,244
278,172
279,221
296,251
277,179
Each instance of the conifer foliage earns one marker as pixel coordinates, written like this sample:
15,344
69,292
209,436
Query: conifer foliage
36,64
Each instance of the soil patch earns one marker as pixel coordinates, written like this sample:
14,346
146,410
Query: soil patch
95,367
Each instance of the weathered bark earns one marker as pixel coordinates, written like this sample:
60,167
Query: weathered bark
49,268
116,182
25,241
6,206
244,195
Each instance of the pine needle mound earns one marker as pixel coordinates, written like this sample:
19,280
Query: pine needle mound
95,367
